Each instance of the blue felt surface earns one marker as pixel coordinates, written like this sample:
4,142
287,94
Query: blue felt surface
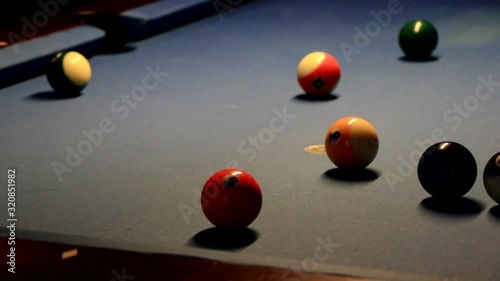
30,58
226,81
157,17
163,8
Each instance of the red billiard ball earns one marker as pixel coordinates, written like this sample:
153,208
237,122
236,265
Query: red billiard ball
351,143
231,198
318,73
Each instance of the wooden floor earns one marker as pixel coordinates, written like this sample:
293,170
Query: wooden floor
51,261
27,19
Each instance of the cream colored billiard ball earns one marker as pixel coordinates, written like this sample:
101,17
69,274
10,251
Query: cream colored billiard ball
69,73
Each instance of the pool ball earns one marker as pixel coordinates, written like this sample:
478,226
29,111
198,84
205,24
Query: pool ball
447,170
231,198
318,73
491,178
69,73
418,39
351,143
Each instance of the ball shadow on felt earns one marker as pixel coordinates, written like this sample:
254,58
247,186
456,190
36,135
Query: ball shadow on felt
315,98
352,175
419,59
456,207
52,95
224,239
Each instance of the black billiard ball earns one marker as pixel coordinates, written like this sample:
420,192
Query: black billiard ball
418,39
491,177
447,170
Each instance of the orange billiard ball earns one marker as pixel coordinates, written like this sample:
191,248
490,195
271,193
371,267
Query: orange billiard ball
351,143
231,198
318,73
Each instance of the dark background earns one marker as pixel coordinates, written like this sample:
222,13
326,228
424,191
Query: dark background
11,16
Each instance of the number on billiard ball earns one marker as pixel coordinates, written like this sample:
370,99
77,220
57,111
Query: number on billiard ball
491,177
447,170
231,198
351,143
318,73
69,73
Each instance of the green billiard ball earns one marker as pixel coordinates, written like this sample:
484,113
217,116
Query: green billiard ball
418,39
69,73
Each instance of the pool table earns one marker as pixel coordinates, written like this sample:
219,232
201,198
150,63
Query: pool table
117,171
